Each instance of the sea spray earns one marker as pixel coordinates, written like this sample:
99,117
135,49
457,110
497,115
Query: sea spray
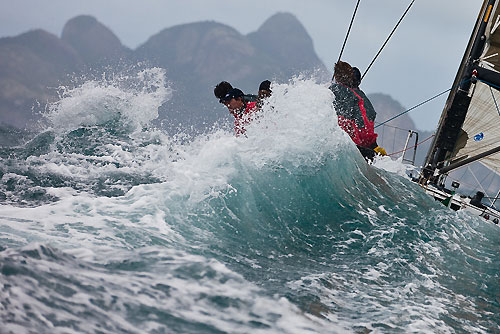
133,98
98,138
284,230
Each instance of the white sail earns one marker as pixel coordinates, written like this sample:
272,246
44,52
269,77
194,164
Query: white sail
482,126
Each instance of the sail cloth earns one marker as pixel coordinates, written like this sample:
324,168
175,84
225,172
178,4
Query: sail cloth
481,128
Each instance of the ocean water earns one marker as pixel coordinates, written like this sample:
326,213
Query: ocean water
110,225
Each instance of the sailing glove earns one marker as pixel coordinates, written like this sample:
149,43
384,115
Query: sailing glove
380,150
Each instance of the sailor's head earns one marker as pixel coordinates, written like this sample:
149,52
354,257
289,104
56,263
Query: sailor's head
356,77
343,73
265,89
222,89
233,100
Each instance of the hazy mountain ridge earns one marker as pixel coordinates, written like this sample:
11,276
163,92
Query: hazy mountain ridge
196,56
29,64
94,43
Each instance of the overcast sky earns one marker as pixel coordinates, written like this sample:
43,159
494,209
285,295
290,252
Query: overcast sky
420,61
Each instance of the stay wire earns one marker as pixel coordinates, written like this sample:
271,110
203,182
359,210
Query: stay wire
414,107
348,30
416,145
434,97
387,40
494,100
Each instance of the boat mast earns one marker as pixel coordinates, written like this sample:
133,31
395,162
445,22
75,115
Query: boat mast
458,101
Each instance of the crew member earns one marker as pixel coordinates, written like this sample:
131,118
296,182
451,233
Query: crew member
224,87
356,115
242,110
264,92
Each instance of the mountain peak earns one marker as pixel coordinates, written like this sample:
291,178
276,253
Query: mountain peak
283,38
95,43
39,44
206,50
283,22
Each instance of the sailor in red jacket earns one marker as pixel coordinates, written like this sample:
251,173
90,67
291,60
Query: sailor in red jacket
355,113
242,110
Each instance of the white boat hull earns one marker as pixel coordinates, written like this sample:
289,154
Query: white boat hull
458,202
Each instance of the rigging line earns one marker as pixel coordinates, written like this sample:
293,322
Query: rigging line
475,178
432,98
460,178
472,186
387,40
348,31
490,174
492,178
394,127
494,100
414,107
488,83
479,183
423,141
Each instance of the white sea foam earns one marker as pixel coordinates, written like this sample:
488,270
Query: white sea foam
116,300
395,166
297,129
134,98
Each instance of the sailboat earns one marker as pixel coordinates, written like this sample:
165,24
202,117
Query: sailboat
469,127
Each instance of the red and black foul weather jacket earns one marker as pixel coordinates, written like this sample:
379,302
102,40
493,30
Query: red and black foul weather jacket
243,117
356,114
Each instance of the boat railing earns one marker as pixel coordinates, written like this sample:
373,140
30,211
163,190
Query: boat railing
410,134
399,142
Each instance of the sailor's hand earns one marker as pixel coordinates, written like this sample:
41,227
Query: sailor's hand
379,150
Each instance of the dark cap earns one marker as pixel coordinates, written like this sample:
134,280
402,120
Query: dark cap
221,89
265,85
232,94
